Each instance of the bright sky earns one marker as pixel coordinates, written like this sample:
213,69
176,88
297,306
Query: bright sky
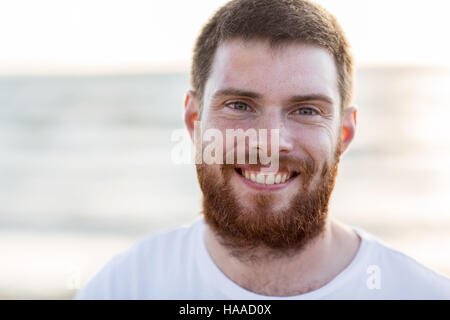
50,36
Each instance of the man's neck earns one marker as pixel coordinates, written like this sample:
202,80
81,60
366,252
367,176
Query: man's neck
314,266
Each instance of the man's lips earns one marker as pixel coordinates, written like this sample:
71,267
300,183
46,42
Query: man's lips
265,181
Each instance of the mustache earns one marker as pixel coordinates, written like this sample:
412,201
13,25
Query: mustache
286,163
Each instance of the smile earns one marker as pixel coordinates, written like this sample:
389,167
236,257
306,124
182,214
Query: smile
256,178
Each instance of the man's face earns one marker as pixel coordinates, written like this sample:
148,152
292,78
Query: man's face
294,89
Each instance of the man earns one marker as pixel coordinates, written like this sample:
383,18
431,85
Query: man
283,66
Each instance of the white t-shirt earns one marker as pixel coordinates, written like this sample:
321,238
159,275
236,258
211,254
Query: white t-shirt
175,264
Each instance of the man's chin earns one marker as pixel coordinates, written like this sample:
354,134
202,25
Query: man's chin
262,202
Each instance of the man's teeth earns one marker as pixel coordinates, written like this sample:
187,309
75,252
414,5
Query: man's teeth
259,177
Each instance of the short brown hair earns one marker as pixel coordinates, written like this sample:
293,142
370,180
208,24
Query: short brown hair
280,22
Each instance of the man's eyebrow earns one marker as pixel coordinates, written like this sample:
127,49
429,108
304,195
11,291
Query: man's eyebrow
255,95
236,92
311,97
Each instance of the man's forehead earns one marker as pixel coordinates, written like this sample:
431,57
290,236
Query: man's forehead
294,68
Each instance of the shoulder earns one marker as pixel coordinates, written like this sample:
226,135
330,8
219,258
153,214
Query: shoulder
401,275
132,273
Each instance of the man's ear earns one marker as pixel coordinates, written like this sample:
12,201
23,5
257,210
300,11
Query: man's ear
191,111
348,127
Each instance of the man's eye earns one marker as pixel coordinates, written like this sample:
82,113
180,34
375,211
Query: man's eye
306,111
239,106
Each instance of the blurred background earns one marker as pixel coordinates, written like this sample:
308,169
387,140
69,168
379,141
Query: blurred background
91,92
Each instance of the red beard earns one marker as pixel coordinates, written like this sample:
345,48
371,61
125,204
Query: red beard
279,233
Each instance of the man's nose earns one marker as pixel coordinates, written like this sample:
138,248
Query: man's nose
276,120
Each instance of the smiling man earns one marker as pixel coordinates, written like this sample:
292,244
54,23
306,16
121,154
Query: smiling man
282,66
